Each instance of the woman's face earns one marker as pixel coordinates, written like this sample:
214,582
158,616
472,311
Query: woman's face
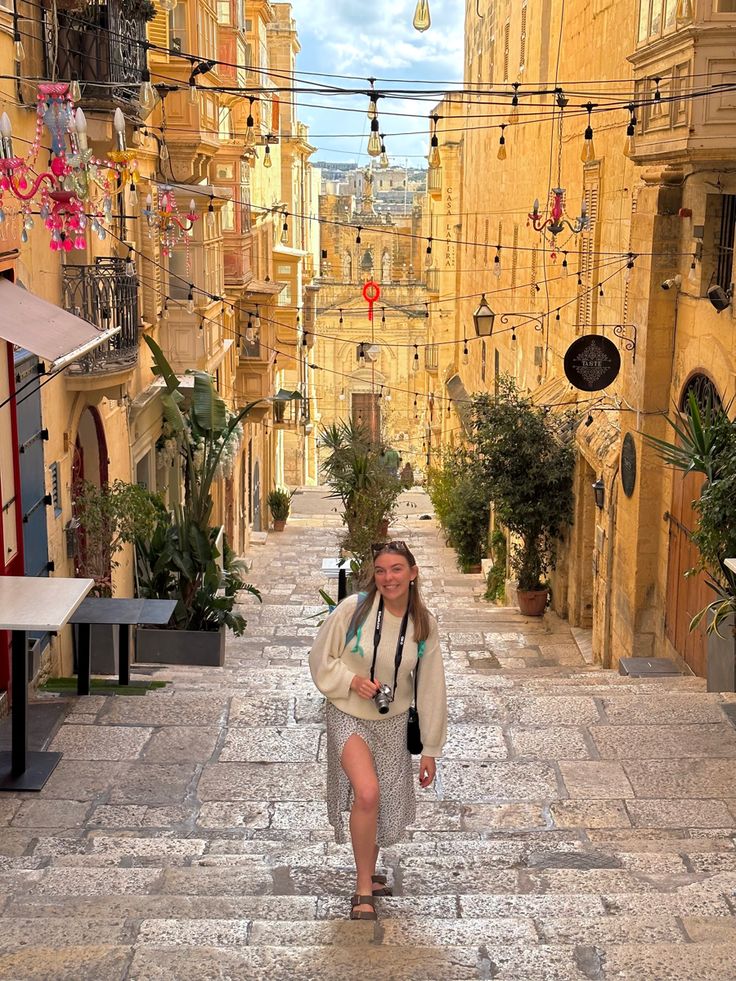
392,574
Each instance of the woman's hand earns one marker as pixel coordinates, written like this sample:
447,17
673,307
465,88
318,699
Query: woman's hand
427,771
363,686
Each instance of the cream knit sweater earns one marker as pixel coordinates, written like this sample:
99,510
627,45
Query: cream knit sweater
333,664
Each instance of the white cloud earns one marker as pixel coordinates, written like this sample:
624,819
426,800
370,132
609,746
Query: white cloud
347,37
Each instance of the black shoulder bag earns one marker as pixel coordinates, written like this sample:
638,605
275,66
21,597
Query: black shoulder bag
413,734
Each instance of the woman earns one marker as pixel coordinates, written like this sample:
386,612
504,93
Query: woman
374,639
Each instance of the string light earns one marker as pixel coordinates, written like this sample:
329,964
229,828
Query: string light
497,261
211,213
190,300
165,312
383,160
285,230
630,131
357,236
428,252
146,92
564,264
434,144
415,362
466,353
514,116
502,144
588,153
267,162
422,20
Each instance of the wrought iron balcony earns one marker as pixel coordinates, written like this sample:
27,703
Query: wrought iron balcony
104,295
100,46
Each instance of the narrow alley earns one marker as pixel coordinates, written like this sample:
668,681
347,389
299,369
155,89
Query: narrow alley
583,826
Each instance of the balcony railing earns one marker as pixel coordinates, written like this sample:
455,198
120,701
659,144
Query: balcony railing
106,296
99,46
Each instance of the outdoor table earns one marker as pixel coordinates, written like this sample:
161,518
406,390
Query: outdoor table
122,613
29,603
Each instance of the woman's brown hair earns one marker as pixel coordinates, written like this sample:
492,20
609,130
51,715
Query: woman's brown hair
420,615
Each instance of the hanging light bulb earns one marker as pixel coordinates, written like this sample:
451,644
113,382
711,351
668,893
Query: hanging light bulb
630,131
502,144
146,92
193,94
165,312
267,162
466,353
75,89
250,333
415,361
130,264
564,264
514,116
428,252
497,261
361,355
374,140
210,214
341,396
256,320
434,144
133,196
164,150
383,161
372,103
422,20
167,5
190,300
629,269
285,230
588,153
18,49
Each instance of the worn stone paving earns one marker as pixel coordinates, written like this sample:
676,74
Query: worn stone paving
583,827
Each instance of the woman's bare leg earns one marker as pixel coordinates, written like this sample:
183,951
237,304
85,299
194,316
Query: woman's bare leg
357,762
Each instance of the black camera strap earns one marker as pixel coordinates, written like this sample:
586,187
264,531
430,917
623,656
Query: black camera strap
399,644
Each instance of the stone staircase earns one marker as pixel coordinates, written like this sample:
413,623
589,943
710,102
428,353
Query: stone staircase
583,826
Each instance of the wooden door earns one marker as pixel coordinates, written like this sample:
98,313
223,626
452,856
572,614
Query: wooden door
686,595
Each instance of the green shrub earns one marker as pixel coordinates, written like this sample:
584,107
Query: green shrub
496,578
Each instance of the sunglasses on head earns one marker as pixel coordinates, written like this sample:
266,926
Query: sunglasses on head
395,546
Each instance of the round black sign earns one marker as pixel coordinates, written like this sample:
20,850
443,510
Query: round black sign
628,465
592,362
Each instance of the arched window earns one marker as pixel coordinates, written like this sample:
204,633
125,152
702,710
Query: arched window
703,389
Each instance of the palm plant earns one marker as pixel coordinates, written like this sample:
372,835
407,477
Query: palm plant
705,442
180,560
356,470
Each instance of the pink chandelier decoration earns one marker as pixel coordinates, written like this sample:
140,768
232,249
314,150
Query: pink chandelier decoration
165,219
60,195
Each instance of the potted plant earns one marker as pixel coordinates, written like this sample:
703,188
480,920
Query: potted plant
525,458
362,478
106,519
279,504
705,442
462,506
187,558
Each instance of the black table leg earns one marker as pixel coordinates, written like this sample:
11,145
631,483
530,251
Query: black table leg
84,659
19,769
124,655
19,719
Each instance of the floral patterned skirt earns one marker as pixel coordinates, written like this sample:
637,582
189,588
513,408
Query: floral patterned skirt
386,739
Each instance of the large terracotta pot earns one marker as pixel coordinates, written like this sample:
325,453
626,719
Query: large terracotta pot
532,602
279,524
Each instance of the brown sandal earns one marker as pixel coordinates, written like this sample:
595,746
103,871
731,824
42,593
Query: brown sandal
380,880
361,914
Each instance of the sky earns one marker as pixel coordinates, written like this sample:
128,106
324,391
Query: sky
347,37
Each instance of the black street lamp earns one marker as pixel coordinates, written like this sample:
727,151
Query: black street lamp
483,318
599,492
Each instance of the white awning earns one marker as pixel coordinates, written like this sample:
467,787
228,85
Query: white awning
44,329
